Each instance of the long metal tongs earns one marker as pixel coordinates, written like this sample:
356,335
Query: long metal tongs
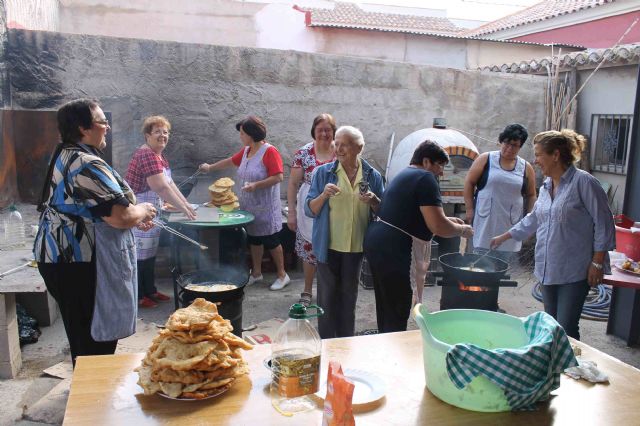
184,182
473,264
178,234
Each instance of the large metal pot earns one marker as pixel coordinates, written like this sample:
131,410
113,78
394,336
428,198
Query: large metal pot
229,301
487,270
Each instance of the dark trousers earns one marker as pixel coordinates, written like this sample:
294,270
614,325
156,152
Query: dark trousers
337,293
393,292
73,286
147,277
564,303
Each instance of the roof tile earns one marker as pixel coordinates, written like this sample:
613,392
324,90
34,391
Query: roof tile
349,15
538,12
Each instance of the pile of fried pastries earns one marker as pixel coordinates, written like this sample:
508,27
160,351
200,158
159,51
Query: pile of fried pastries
632,266
195,356
222,196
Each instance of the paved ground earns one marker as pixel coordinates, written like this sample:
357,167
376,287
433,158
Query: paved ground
22,398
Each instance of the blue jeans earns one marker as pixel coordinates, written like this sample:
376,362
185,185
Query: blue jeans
564,303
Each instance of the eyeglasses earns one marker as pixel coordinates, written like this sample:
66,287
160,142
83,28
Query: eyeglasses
513,145
160,133
104,122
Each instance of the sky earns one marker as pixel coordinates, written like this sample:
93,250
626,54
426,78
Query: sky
484,10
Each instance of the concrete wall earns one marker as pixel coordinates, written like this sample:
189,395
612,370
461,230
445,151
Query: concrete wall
610,91
204,90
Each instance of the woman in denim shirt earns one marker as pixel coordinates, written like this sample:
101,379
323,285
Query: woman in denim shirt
574,228
341,199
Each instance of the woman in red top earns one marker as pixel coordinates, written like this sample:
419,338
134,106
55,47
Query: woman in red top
259,174
149,176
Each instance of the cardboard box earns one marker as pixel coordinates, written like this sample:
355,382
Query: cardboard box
264,333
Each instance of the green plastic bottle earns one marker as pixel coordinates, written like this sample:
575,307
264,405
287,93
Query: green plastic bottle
295,361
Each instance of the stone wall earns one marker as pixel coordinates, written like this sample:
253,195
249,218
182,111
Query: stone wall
204,90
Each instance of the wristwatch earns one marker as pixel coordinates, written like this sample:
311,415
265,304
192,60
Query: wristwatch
596,265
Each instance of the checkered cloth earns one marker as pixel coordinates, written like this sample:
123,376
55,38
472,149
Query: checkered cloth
526,375
144,163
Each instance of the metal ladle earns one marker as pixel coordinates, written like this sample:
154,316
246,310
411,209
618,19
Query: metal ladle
473,264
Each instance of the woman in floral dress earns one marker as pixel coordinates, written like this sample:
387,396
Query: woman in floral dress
305,160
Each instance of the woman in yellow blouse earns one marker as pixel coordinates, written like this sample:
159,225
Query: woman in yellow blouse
341,199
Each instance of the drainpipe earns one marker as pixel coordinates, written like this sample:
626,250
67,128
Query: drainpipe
631,205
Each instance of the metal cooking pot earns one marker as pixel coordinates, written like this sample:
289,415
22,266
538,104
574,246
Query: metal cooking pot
229,301
491,269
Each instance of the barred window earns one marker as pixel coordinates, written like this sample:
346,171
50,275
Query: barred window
610,138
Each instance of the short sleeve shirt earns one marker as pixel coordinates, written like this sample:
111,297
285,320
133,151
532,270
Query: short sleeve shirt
271,159
305,158
81,185
408,191
144,163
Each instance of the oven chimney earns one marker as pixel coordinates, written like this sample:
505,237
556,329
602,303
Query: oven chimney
440,123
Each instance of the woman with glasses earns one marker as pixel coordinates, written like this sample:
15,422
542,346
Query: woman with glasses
498,190
305,160
84,247
150,178
398,245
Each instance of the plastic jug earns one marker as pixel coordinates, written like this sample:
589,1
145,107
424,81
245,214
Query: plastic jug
295,361
13,230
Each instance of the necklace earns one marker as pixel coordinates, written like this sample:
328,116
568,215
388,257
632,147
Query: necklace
355,173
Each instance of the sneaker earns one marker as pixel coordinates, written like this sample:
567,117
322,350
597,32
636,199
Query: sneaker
159,297
280,283
145,302
253,279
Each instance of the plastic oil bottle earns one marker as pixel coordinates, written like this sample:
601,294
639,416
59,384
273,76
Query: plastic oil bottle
13,229
295,362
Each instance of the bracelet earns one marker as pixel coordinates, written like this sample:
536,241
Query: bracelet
596,265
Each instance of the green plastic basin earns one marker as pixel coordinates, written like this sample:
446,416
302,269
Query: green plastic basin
443,329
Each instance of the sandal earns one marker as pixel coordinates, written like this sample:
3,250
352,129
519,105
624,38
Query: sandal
305,299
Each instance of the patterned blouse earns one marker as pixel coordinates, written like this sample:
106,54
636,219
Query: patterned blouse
305,158
83,188
144,163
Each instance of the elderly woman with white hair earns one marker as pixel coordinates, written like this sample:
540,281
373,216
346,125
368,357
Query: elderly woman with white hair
341,199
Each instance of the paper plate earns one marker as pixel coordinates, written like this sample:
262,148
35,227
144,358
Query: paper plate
618,266
369,387
222,390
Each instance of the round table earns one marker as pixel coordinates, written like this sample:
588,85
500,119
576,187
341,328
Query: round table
226,244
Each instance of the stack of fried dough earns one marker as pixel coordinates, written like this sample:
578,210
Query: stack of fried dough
222,196
195,356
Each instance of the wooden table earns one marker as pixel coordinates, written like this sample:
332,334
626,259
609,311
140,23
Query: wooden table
104,391
624,311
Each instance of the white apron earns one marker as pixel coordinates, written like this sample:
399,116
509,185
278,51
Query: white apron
499,205
305,223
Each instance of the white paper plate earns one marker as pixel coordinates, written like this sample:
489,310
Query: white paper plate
369,387
220,392
618,266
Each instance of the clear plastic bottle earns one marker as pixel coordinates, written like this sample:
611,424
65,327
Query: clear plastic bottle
295,362
13,229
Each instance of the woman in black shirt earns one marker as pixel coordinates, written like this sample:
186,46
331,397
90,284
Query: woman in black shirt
398,245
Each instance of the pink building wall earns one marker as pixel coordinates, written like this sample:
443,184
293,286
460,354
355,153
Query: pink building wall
601,33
